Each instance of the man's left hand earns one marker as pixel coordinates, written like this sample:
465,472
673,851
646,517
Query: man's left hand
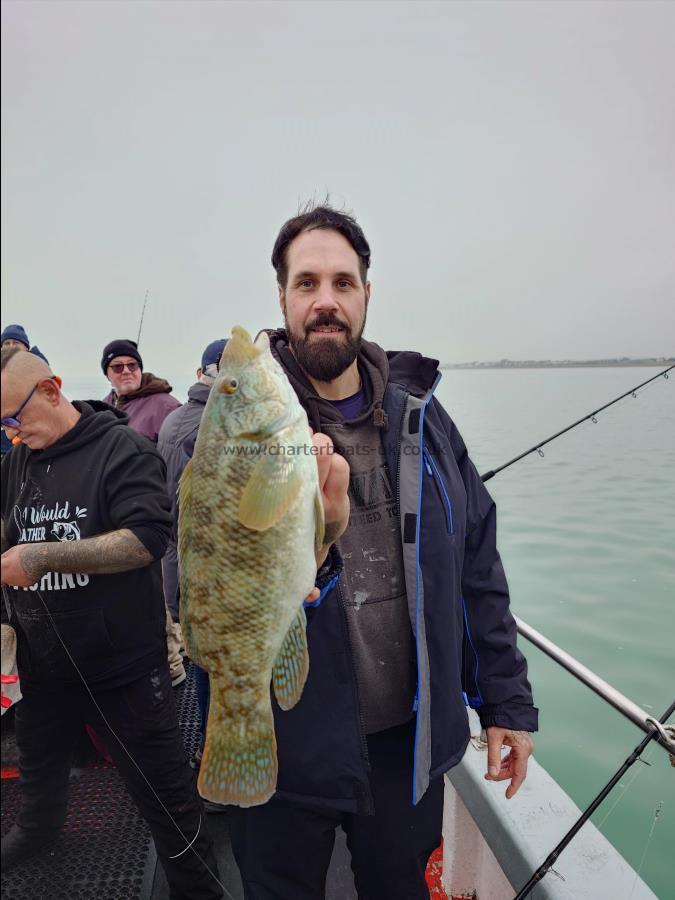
514,764
13,572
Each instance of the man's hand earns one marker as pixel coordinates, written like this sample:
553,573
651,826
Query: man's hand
514,764
13,572
333,483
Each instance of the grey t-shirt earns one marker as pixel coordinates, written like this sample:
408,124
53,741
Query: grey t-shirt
373,582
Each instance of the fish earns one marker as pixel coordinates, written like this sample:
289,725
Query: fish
250,519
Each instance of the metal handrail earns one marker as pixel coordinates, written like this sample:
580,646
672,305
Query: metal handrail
601,687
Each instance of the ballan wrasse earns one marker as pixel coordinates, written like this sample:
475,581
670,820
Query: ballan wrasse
250,519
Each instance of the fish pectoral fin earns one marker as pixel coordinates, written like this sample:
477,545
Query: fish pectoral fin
274,485
292,664
319,521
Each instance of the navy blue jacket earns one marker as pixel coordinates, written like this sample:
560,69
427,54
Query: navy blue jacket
459,610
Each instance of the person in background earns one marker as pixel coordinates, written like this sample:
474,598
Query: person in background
176,443
15,336
86,521
142,396
146,400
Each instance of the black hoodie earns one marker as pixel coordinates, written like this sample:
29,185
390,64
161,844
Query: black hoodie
99,477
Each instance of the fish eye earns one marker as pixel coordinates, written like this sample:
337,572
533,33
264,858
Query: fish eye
230,385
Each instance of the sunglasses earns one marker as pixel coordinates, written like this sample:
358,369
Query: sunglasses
118,368
13,421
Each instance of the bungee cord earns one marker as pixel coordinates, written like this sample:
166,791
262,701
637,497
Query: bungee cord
591,415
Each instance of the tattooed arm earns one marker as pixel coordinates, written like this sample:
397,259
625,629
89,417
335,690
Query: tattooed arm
116,551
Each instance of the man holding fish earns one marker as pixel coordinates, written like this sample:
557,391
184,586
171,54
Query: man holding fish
371,676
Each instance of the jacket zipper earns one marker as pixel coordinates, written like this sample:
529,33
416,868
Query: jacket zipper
398,459
433,470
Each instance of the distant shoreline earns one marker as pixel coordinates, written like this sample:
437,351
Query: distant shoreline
564,364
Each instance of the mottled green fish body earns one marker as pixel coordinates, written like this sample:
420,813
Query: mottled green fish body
250,518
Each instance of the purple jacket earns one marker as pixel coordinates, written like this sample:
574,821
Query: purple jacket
148,408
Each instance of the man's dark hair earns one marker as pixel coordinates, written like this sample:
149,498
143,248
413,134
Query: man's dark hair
310,218
6,354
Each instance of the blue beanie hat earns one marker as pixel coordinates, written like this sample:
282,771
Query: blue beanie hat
212,353
37,352
15,333
120,348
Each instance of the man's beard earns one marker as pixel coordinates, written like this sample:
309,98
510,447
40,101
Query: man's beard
325,359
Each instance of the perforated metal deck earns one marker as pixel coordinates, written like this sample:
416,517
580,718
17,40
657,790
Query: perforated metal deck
105,851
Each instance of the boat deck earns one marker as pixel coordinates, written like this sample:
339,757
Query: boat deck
105,851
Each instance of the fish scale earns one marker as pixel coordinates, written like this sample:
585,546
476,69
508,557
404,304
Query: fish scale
249,521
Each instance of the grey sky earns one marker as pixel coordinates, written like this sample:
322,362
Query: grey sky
511,163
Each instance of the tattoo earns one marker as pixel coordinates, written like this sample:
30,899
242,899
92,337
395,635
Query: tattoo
106,554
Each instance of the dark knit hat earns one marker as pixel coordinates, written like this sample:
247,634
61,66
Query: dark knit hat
37,352
120,348
15,333
213,352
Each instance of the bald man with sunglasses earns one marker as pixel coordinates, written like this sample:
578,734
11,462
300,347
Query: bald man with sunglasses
86,520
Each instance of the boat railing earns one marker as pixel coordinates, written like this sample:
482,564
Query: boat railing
663,736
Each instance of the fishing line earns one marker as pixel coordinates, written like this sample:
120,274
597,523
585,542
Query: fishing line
657,813
627,787
188,843
145,301
591,415
595,803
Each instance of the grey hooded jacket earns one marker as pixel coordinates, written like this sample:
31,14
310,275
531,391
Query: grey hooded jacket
176,442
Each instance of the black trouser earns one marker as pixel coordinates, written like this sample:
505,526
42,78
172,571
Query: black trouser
283,850
143,715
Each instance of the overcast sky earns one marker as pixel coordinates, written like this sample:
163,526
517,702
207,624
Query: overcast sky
512,165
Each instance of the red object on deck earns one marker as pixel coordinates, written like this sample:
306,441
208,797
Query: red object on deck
433,876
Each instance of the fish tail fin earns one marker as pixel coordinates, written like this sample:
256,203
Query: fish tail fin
239,762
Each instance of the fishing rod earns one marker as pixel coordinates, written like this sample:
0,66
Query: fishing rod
657,729
537,447
140,326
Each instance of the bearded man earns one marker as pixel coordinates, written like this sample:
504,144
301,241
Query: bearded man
416,628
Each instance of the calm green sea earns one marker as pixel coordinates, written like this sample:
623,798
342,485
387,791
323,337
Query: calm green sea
588,542
587,538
